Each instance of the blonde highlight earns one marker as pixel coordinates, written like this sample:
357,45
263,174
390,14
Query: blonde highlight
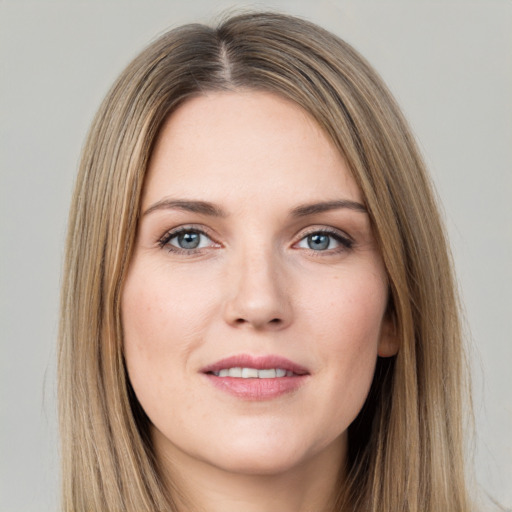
406,446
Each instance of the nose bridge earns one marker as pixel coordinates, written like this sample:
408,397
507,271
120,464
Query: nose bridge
258,293
257,273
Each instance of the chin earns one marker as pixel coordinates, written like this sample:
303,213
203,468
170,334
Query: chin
269,454
249,463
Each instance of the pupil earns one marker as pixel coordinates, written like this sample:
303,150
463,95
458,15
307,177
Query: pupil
318,242
189,240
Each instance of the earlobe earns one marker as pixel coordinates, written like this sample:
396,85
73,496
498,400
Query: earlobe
389,342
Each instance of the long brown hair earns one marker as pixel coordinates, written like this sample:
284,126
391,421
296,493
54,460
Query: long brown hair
406,446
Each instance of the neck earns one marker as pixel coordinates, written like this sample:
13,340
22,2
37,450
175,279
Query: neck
202,487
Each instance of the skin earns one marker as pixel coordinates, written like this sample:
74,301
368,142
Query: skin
253,286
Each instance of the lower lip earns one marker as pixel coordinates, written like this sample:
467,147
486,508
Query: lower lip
257,389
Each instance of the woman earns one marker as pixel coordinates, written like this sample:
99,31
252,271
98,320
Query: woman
259,310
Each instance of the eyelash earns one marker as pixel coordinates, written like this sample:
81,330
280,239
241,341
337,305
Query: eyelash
164,241
345,242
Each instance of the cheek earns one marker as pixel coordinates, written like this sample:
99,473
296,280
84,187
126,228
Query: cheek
163,321
348,320
161,305
348,310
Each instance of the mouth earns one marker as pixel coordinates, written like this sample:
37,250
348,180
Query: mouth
253,373
256,378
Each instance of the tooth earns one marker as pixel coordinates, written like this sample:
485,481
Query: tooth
235,372
267,374
248,373
253,373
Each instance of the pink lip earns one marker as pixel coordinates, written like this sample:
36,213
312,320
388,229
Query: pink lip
256,389
258,362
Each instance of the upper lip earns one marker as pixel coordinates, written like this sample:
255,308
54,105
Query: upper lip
258,362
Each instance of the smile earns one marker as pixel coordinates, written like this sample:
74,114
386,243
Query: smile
256,378
253,373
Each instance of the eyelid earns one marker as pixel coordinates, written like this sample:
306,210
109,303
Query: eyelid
163,241
324,229
345,240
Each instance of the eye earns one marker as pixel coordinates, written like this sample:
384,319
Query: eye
324,241
186,240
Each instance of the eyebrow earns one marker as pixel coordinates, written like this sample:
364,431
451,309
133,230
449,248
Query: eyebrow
210,209
202,207
314,208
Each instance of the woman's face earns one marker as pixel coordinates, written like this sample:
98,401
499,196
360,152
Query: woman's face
254,306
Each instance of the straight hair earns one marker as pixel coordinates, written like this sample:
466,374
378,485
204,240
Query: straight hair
406,449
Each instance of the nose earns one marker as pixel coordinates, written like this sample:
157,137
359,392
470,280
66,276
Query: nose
258,293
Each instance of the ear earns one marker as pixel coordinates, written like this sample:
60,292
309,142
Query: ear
388,342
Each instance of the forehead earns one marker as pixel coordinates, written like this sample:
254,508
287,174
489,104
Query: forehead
225,144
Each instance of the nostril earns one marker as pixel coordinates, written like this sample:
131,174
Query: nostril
274,321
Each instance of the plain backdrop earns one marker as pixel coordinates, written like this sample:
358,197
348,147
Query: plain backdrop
448,63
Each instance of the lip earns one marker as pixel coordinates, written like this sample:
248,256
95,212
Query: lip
254,388
258,362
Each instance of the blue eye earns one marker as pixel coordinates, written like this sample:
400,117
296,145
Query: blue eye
186,240
319,241
324,241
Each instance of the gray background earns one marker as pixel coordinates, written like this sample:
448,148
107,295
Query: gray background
450,66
